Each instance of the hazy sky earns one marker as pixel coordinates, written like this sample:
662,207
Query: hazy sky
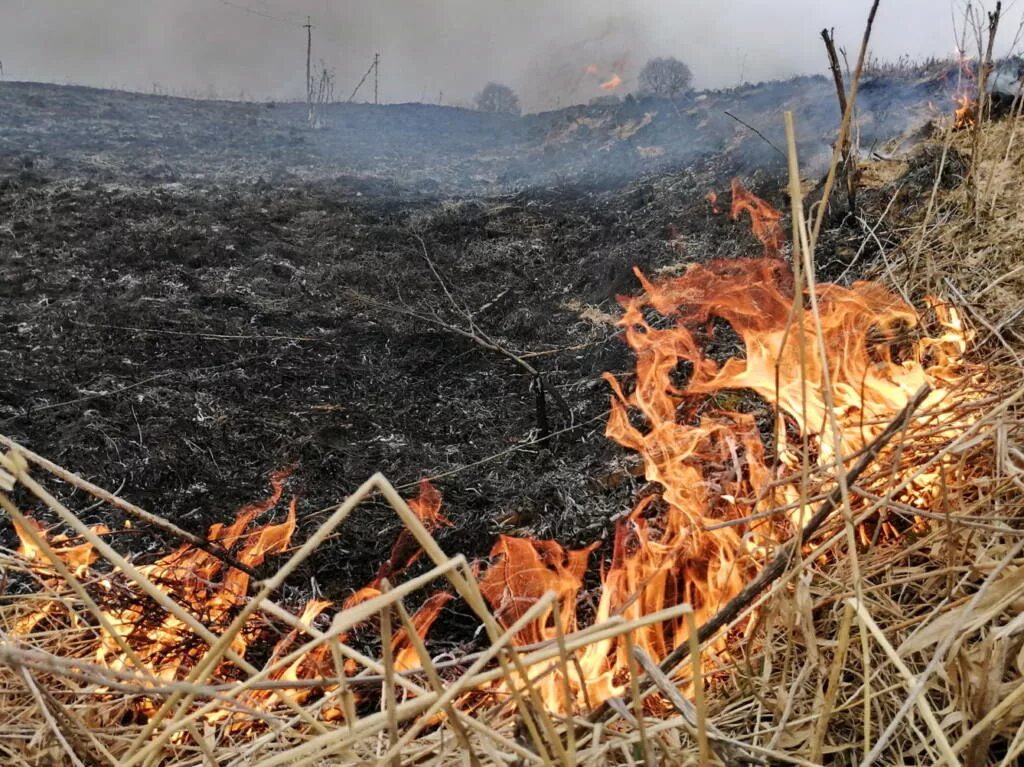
540,47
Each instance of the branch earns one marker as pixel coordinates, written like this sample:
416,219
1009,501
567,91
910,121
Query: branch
751,127
477,335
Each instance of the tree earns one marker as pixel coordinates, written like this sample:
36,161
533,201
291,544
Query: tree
665,77
498,98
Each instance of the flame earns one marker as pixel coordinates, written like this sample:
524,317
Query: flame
718,470
214,593
966,95
764,219
611,84
79,558
965,115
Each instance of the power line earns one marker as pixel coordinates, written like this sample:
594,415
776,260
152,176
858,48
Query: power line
261,14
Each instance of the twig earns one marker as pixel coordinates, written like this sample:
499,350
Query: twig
478,336
730,751
200,334
767,140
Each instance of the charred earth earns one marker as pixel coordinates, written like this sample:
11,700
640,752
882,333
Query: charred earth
198,293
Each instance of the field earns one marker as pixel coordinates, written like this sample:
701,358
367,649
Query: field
197,295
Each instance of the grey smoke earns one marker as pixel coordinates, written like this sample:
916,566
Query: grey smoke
541,48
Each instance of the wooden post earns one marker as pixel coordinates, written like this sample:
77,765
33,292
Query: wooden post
377,69
309,75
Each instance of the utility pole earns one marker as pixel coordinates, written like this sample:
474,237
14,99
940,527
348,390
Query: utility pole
376,78
309,75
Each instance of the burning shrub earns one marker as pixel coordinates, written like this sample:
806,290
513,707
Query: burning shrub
665,77
499,99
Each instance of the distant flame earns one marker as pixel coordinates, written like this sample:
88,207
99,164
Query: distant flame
611,84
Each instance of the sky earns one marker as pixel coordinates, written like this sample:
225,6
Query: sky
446,50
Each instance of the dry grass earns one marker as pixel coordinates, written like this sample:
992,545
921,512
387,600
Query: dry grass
903,651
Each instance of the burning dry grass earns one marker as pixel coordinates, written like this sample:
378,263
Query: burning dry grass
893,634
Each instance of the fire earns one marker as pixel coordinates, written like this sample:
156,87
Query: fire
966,99
764,219
719,470
214,592
734,447
965,115
611,83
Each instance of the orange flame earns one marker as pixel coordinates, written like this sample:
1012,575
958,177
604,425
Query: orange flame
214,593
965,115
611,84
719,470
726,443
764,219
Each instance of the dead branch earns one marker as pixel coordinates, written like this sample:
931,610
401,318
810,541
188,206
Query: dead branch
849,160
476,334
748,126
984,69
844,128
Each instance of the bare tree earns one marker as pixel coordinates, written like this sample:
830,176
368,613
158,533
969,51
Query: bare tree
665,77
498,98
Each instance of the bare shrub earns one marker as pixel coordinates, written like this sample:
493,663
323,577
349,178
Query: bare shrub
665,77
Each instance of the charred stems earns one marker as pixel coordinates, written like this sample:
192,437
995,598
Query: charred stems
849,160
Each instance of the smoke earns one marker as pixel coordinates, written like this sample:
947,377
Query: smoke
551,53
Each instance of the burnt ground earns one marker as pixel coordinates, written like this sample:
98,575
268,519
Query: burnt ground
198,293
